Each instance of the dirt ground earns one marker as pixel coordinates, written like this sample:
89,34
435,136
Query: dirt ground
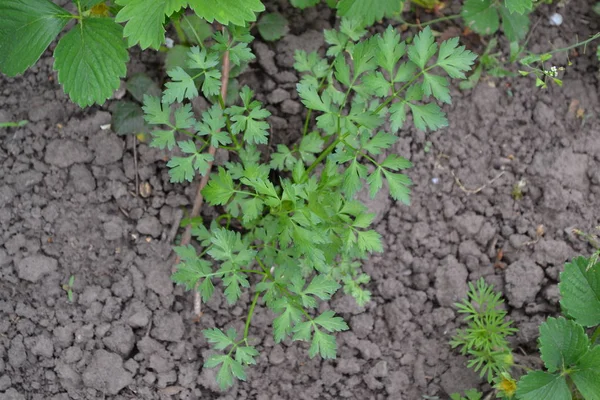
68,207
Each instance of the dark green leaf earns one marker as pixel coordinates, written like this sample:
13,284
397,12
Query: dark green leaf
272,26
91,60
127,118
26,30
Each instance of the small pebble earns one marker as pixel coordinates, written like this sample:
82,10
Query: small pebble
556,19
435,180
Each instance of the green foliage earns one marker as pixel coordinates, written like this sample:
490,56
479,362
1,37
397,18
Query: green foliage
470,394
571,358
291,232
483,16
272,26
484,339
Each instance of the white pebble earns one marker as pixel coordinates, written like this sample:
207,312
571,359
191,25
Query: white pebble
556,19
169,43
435,180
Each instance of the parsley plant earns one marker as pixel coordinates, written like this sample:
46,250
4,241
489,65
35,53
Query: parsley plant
291,231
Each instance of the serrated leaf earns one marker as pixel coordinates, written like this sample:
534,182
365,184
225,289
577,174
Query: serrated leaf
390,51
369,241
437,86
538,385
399,186
91,60
181,169
145,20
322,287
219,339
219,189
127,118
184,117
163,139
428,116
311,99
515,25
455,59
369,11
246,354
396,163
376,83
26,29
352,178
272,26
375,182
181,86
518,6
323,344
311,143
237,12
156,112
380,142
330,322
233,283
562,343
422,48
397,116
580,291
587,375
283,324
481,16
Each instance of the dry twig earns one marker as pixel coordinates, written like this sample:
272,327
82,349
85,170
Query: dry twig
199,199
477,190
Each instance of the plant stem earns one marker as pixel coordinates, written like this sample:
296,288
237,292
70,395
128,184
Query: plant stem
433,21
321,157
180,34
199,199
578,44
251,311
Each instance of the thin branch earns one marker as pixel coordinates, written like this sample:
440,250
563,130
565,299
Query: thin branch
199,199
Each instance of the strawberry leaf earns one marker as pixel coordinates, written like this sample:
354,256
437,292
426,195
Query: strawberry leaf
91,60
26,29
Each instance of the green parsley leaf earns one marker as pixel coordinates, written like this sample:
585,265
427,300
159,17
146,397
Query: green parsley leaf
322,287
163,139
219,189
370,241
180,87
455,59
390,50
399,184
156,112
381,141
422,48
218,339
437,86
283,324
428,116
331,323
311,99
323,344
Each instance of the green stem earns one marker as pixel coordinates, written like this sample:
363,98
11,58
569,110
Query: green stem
578,44
433,21
180,33
251,311
321,157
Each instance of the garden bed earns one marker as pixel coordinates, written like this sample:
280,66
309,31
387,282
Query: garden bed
68,207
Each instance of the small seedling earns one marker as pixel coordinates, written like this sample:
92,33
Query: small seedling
571,357
68,287
517,190
17,124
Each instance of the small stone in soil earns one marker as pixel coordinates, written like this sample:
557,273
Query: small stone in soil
33,268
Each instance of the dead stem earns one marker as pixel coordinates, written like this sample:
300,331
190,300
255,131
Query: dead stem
199,199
